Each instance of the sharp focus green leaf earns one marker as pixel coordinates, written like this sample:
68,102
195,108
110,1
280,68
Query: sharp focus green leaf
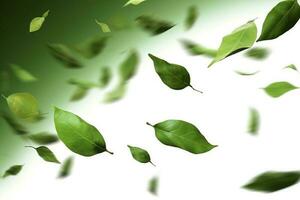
129,66
246,73
13,171
66,167
174,76
291,66
64,55
43,138
258,53
153,185
22,74
191,17
273,181
18,128
197,49
280,19
279,88
254,121
23,105
140,154
152,25
104,27
181,134
134,2
79,94
116,94
46,154
37,22
79,136
241,38
105,76
92,47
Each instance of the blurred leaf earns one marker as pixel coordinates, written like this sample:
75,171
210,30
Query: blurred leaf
246,73
66,168
43,138
273,181
92,47
104,27
36,23
18,128
79,94
291,66
153,186
134,2
152,25
279,88
105,76
46,154
257,53
116,94
197,49
82,83
13,171
129,66
183,135
119,22
192,16
22,74
280,19
5,80
254,121
140,154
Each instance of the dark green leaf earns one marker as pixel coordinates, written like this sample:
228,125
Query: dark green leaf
5,81
191,17
153,185
66,168
279,88
129,66
13,171
197,49
92,47
79,94
46,154
105,76
140,154
152,25
43,138
18,128
254,121
257,53
37,22
22,74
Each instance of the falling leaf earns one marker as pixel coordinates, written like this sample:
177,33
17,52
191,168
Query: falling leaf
92,47
43,138
13,171
254,121
134,2
79,94
46,154
79,136
153,185
273,181
257,53
280,19
140,154
191,17
37,22
129,66
197,49
116,94
22,74
174,76
291,66
18,128
181,134
246,73
279,88
152,25
105,76
104,27
241,38
66,167
83,83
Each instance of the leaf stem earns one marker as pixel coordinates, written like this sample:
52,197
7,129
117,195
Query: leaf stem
152,163
149,124
111,153
196,89
30,147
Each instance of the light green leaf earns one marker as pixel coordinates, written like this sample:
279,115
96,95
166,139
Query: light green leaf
257,53
140,155
254,121
280,19
191,17
37,22
83,83
43,138
46,154
279,88
153,186
79,94
197,49
22,74
241,38
273,181
116,94
105,76
66,168
79,136
291,66
18,128
92,47
13,171
152,25
174,76
104,27
181,134
134,2
246,73
129,66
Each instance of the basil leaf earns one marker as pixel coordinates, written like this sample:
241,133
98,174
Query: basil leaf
116,94
174,76
104,27
134,2
140,154
22,74
92,47
241,38
129,66
79,136
246,73
291,66
280,19
279,88
152,25
105,76
258,53
43,138
66,168
192,16
181,134
13,171
197,49
254,121
18,128
153,186
37,22
273,181
79,94
45,153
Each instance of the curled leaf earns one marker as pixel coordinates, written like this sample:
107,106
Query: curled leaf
246,73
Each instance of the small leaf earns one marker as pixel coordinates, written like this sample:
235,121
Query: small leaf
197,49
258,53
37,22
63,54
18,128
79,136
5,81
191,17
153,185
66,168
134,2
129,66
279,88
273,181
92,47
140,154
241,38
23,105
83,83
183,135
174,76
254,121
46,154
105,76
43,138
246,73
152,25
280,19
79,94
13,171
291,66
104,27
116,94
22,74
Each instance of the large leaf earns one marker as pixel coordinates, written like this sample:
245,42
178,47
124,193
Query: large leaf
254,120
152,25
279,88
241,38
46,154
192,16
174,76
43,138
79,136
273,181
66,167
129,66
140,155
197,49
22,74
280,19
181,134
13,171
37,22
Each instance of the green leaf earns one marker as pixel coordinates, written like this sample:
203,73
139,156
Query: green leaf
83,83
79,94
280,19
140,154
37,22
105,76
181,134
22,74
279,88
129,66
104,27
18,128
191,17
197,49
273,181
92,47
246,73
174,76
241,38
23,105
291,66
152,25
13,171
134,2
153,185
254,121
5,81
43,138
257,53
46,154
66,168
79,136
116,94
63,54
